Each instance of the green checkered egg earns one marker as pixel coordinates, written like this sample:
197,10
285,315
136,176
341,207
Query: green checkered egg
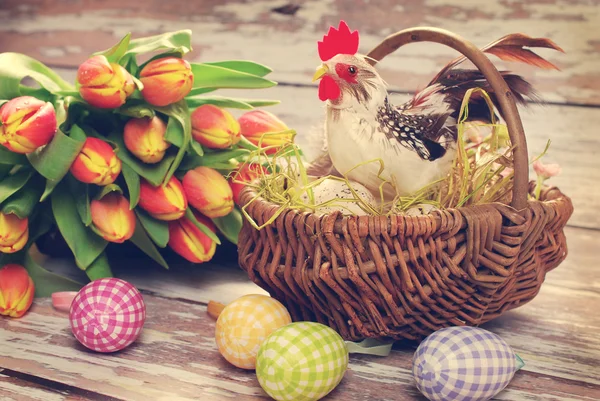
302,361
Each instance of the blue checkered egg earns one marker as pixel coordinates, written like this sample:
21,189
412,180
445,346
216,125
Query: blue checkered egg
464,364
302,361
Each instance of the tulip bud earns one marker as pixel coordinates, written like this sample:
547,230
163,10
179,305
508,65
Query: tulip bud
208,191
163,202
96,163
166,80
112,217
145,138
103,84
245,174
14,233
256,123
189,241
26,123
16,290
214,127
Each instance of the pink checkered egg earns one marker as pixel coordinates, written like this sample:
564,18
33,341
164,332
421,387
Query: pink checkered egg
107,315
464,364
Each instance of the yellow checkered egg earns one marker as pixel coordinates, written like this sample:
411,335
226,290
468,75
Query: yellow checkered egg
302,361
243,326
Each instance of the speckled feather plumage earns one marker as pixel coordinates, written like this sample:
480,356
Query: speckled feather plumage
417,132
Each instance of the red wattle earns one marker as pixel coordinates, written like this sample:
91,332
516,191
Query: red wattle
328,89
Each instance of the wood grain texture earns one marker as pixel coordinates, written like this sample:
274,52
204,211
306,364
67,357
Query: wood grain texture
556,334
65,33
16,389
176,358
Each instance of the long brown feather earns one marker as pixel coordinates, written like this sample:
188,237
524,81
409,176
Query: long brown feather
511,48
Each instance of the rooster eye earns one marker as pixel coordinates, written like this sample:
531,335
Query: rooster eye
352,70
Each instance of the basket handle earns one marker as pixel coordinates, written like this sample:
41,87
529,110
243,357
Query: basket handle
504,95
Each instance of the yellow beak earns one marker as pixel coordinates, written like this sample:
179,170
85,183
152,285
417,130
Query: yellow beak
321,70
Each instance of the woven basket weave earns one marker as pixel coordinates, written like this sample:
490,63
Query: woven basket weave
404,277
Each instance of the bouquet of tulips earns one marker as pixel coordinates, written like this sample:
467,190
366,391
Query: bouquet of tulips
139,150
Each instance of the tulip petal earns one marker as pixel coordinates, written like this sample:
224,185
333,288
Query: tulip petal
189,241
214,127
145,138
113,218
208,191
163,202
16,290
166,80
94,71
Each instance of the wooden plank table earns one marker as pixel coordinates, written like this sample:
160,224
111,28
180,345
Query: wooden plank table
176,358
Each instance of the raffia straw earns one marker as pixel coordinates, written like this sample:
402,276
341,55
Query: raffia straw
478,175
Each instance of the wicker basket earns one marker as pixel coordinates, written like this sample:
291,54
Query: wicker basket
405,277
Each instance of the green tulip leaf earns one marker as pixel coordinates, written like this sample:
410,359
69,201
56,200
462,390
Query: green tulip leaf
260,102
230,225
13,183
83,242
15,66
200,91
228,102
179,132
203,227
213,76
100,268
179,42
157,230
197,148
55,159
136,109
142,240
8,157
81,194
174,133
4,170
108,189
47,283
23,202
153,173
114,54
132,179
197,101
213,159
246,66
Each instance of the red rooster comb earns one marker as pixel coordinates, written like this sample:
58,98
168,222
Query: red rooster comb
338,41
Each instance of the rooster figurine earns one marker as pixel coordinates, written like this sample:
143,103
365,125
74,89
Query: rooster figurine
417,140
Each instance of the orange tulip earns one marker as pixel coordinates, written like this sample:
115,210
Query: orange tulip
208,191
262,127
26,123
112,218
166,80
163,202
243,175
14,233
188,241
97,163
145,138
103,84
16,290
214,127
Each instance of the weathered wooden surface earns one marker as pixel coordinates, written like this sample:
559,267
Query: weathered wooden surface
556,334
64,33
176,355
176,358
